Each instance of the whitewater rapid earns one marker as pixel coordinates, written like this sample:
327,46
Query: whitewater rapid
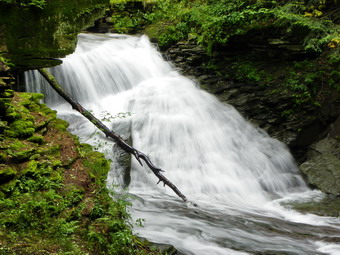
235,172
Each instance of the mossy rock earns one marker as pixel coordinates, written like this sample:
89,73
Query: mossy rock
3,157
6,173
36,168
38,139
3,125
59,124
323,167
73,193
21,156
35,38
8,93
328,206
47,205
20,129
11,113
8,187
95,161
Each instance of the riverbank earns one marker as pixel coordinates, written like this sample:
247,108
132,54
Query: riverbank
53,194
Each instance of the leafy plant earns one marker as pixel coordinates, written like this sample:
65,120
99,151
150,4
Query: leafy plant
215,22
40,4
52,204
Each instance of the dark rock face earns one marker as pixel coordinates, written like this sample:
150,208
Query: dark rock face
323,172
254,102
299,131
322,169
33,38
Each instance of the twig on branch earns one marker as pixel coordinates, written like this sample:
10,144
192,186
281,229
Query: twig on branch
138,155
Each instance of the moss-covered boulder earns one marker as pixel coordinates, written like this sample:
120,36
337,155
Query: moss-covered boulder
34,35
6,173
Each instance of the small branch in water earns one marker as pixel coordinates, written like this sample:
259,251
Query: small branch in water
126,147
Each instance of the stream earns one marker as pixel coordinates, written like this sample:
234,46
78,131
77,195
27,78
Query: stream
238,176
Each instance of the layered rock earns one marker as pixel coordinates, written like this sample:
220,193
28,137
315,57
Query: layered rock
270,108
299,129
322,169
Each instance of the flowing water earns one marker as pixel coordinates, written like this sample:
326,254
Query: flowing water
236,174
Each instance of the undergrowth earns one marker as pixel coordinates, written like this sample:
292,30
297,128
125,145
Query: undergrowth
40,4
53,195
310,25
213,22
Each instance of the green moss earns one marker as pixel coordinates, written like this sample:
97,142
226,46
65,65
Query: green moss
99,166
8,93
51,150
73,193
38,139
15,144
32,168
20,128
11,112
20,156
59,124
29,98
51,205
8,187
6,173
328,206
3,125
35,37
3,157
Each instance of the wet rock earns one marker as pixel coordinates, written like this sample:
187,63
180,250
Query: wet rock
123,128
327,206
162,248
267,109
325,146
322,170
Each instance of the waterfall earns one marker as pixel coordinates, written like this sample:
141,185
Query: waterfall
207,149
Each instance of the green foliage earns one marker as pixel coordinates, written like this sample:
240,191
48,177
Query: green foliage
5,61
128,16
40,4
49,206
307,79
317,31
248,71
215,22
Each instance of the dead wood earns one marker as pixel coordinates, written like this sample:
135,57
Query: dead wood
140,156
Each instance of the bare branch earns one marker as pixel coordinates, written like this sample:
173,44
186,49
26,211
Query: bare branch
109,133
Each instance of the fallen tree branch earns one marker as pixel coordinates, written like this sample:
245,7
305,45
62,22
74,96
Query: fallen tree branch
126,147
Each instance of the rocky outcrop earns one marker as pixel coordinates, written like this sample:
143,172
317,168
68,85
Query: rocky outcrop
322,169
34,38
264,106
301,129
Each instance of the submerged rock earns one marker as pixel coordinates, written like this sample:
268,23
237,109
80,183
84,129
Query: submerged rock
327,206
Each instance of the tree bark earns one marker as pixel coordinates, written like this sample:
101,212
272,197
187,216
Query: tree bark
126,147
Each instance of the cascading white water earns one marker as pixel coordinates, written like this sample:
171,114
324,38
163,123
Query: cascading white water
218,160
